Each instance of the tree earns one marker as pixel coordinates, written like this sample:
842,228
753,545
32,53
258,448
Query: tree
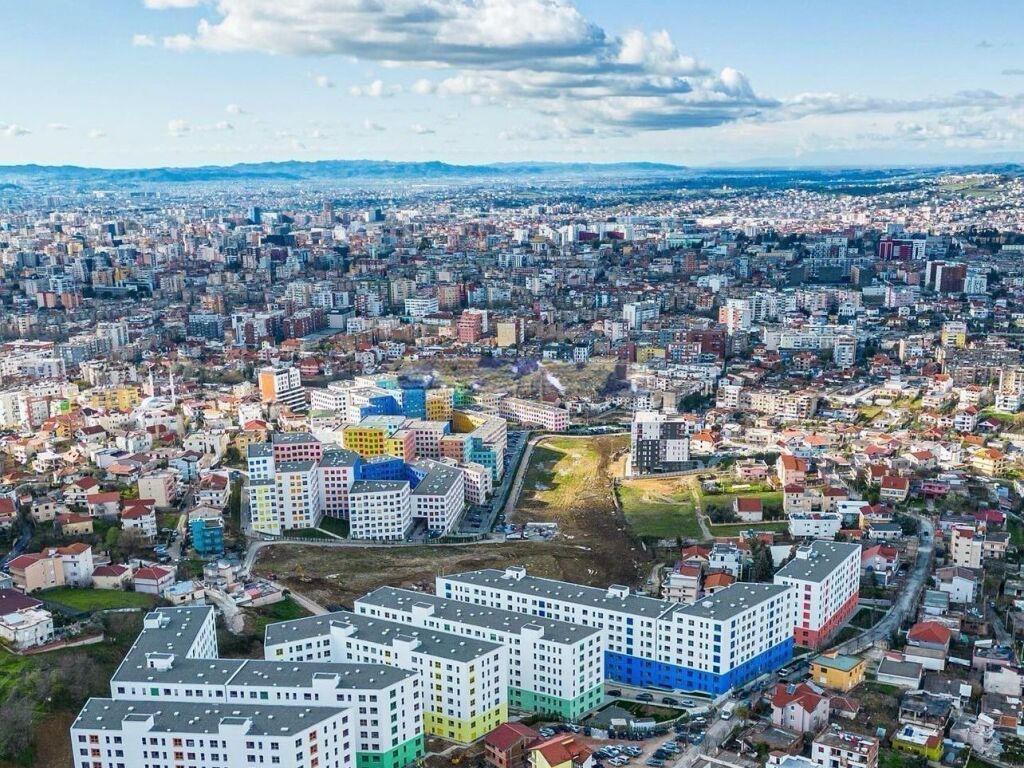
762,567
15,727
131,541
112,538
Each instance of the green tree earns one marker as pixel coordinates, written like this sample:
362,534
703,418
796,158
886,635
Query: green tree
762,568
112,538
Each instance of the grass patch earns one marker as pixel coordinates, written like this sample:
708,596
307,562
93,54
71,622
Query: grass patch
560,471
735,529
283,610
658,519
305,533
335,525
846,633
91,600
640,709
770,500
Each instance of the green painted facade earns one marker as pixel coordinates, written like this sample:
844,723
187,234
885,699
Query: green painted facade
397,757
566,709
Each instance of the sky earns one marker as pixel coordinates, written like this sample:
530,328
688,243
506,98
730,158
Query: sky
143,83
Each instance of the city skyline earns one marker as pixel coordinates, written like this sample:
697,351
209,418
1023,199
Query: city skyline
185,82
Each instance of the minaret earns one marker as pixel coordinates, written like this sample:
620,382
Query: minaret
173,403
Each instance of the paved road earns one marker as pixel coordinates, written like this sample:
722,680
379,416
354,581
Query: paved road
713,737
905,601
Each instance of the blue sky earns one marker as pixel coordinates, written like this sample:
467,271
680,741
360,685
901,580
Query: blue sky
127,83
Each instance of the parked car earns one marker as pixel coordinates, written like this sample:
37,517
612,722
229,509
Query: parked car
645,697
614,692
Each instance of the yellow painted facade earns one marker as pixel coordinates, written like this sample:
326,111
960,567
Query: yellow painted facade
113,398
464,731
840,673
366,441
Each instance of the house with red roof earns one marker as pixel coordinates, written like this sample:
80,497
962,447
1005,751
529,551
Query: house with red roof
106,505
928,644
508,745
799,708
112,577
748,509
561,751
141,517
894,488
153,580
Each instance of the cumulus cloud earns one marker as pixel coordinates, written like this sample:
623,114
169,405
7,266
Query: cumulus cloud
178,127
13,130
97,133
558,62
375,90
57,126
372,126
234,109
422,130
164,4
545,55
323,81
143,41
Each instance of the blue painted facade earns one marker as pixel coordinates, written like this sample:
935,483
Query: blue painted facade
381,405
381,468
632,670
207,536
414,403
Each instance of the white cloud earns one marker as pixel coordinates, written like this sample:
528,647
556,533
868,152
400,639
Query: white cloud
165,4
422,130
372,126
97,133
375,90
178,128
13,130
323,81
178,42
143,41
423,87
542,53
57,126
223,125
234,109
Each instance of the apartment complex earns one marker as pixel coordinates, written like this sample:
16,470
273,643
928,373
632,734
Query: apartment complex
715,644
555,667
825,577
174,701
659,443
464,680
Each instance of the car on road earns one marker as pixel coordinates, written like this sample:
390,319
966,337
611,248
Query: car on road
645,697
670,701
614,692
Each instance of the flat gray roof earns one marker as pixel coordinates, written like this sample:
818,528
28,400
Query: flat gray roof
201,717
733,600
432,642
339,457
294,674
285,438
816,562
476,615
370,486
596,597
439,478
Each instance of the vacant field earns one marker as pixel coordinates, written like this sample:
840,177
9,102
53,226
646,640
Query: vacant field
660,508
771,500
256,619
336,576
90,600
567,472
735,529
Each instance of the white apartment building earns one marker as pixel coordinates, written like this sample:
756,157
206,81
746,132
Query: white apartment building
635,314
418,307
336,472
555,667
815,525
717,643
379,510
478,481
465,680
825,576
439,497
530,412
173,662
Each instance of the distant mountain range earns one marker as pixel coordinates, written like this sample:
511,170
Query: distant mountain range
327,170
382,171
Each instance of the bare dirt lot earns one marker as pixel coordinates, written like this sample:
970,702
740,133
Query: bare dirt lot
336,576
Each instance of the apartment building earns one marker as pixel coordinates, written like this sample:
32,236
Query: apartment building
658,442
173,667
555,668
842,749
815,525
715,644
282,385
337,470
825,577
379,510
533,413
296,446
966,546
465,680
439,497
